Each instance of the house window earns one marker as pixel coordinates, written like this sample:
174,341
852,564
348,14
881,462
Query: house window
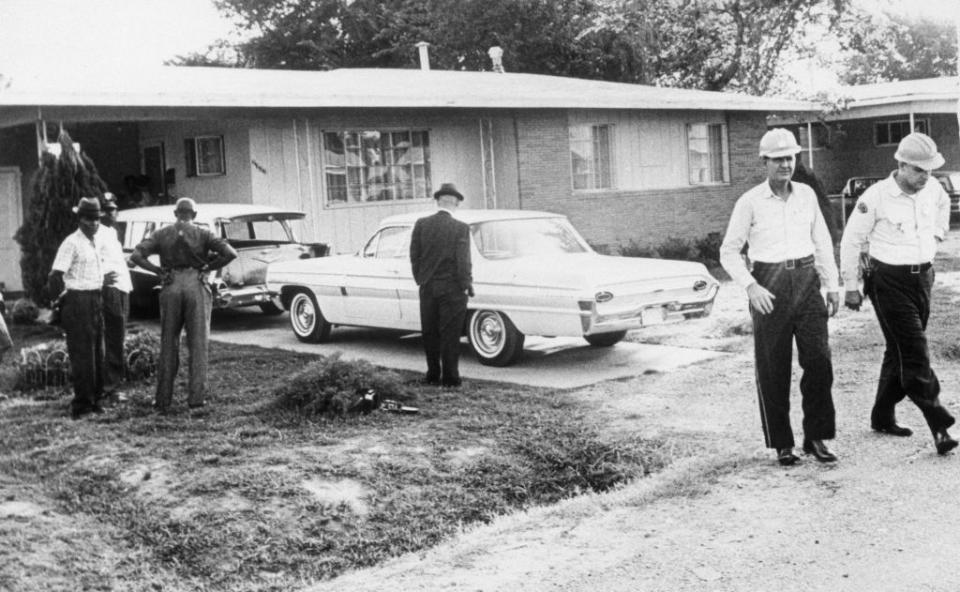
891,132
707,153
205,156
591,156
367,166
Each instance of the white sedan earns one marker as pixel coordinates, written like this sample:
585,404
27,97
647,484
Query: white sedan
533,274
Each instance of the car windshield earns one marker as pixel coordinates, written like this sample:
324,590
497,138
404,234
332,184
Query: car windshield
506,239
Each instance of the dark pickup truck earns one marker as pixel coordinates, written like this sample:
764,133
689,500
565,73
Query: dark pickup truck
855,186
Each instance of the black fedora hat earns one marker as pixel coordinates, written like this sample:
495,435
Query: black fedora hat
448,189
88,206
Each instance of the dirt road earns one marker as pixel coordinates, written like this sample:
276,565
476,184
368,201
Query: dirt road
728,518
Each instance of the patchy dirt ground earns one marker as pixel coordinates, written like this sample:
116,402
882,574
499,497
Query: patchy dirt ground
728,518
885,517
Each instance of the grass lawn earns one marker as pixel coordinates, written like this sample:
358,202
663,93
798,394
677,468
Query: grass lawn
245,496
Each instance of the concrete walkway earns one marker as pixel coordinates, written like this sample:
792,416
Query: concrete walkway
559,362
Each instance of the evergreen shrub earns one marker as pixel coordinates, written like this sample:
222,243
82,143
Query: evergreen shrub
57,187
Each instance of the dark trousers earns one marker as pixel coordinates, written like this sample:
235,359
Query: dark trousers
81,316
902,302
185,303
116,309
800,314
443,308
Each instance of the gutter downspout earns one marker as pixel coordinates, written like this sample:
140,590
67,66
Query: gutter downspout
40,139
810,144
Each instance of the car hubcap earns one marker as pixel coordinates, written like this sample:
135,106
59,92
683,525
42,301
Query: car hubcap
304,315
488,333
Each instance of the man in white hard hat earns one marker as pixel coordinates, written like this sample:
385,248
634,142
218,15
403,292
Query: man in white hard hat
792,256
902,219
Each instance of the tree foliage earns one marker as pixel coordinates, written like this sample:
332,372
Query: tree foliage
57,185
885,46
707,44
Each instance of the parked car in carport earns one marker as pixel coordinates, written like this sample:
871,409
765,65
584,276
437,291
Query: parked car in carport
533,275
855,186
260,234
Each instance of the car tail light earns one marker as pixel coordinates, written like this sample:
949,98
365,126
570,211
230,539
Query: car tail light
603,297
700,285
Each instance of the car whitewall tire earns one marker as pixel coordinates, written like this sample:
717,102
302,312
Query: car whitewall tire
494,338
306,320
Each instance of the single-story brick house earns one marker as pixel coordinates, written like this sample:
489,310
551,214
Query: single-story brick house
860,138
623,161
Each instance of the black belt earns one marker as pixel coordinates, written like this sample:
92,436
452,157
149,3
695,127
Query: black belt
914,268
789,263
182,268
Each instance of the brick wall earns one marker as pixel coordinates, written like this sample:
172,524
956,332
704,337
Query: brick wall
854,152
614,218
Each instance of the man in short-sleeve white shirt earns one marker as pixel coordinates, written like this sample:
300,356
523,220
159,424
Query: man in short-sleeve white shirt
79,269
898,222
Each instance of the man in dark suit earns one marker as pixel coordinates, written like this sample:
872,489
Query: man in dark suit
440,257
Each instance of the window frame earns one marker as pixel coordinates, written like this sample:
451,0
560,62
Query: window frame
724,153
593,177
921,124
418,169
193,152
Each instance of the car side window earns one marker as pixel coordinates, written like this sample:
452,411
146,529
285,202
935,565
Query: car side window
136,232
389,243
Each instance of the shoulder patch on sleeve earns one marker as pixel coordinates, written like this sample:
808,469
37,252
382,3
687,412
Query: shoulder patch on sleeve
862,207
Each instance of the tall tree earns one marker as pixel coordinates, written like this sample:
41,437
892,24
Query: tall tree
708,44
879,47
713,44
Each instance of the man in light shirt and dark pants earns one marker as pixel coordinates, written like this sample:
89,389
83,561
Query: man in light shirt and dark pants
901,219
116,303
792,255
79,268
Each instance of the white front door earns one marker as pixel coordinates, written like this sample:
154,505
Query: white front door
11,217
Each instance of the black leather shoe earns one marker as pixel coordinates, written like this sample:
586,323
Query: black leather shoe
943,441
428,380
452,384
786,457
893,429
819,451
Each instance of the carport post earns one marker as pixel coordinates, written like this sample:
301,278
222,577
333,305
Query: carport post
40,140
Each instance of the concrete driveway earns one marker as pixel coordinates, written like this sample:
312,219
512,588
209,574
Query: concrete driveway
559,362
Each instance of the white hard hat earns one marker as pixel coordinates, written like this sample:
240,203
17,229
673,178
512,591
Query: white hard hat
778,142
920,151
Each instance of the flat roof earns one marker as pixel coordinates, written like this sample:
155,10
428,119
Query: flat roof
924,89
173,86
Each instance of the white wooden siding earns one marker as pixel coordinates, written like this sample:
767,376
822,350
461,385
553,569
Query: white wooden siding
279,161
649,147
234,186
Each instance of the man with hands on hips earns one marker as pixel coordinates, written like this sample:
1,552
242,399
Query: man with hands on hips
792,255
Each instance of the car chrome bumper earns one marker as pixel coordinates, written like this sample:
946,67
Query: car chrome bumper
651,313
238,297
